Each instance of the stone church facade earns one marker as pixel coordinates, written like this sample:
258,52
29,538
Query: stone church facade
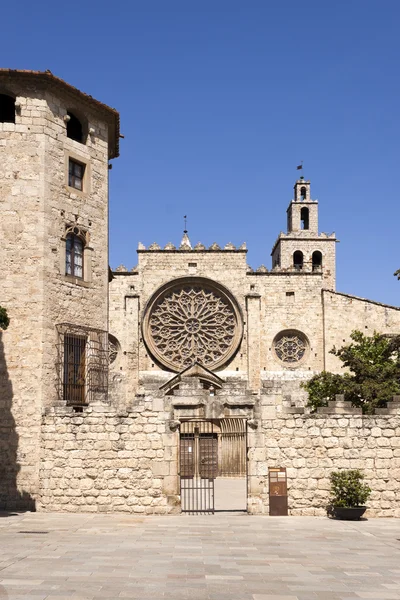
176,385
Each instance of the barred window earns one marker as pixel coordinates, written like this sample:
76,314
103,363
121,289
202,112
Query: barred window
74,256
82,364
74,369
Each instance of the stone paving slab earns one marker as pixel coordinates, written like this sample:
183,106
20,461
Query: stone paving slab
215,557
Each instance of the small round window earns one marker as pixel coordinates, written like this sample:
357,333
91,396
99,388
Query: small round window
290,346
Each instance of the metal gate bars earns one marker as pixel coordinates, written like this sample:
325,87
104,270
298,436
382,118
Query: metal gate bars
198,466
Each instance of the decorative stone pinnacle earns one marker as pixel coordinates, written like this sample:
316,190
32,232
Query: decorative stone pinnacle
185,243
141,246
199,246
214,246
262,269
154,246
169,246
121,269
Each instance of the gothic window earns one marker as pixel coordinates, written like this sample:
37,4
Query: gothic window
74,249
74,128
298,260
192,320
316,260
76,171
7,109
305,218
290,346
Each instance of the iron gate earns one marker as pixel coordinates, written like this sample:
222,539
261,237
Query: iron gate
198,466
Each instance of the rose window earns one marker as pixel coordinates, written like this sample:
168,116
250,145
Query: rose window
290,346
189,322
113,349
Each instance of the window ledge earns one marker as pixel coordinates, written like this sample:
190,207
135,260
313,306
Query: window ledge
77,281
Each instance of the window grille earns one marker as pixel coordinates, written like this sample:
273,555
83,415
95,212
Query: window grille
82,364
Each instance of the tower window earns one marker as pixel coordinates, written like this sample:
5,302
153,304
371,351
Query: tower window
76,171
74,255
303,194
75,128
298,260
305,218
7,109
316,260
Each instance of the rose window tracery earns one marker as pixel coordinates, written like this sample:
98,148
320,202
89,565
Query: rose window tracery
290,346
113,349
191,322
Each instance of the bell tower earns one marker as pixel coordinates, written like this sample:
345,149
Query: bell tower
303,249
302,214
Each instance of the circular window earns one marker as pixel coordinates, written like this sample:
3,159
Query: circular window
191,320
290,346
113,349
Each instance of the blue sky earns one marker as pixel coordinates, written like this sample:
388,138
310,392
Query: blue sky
220,100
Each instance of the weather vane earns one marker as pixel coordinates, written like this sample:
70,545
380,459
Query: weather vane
185,220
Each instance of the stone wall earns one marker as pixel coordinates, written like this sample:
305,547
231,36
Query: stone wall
104,461
344,313
311,446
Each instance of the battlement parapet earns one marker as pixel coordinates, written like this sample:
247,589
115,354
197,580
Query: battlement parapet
184,247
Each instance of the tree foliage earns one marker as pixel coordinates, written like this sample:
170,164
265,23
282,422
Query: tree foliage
373,376
348,488
397,273
4,319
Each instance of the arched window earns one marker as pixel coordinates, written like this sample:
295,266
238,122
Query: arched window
304,218
7,109
74,249
298,260
303,194
75,128
316,260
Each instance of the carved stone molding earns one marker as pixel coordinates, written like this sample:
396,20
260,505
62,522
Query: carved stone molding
192,320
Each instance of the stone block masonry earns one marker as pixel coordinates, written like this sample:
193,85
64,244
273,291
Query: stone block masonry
102,461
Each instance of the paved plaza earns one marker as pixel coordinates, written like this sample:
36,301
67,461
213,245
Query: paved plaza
216,557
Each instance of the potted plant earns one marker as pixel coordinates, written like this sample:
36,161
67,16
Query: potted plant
349,494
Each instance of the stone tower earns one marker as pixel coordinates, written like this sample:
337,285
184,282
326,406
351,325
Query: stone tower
303,249
55,144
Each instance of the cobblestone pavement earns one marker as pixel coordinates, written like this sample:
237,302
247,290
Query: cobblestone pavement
220,557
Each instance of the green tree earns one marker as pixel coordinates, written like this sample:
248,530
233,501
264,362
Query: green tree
397,273
4,319
373,363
